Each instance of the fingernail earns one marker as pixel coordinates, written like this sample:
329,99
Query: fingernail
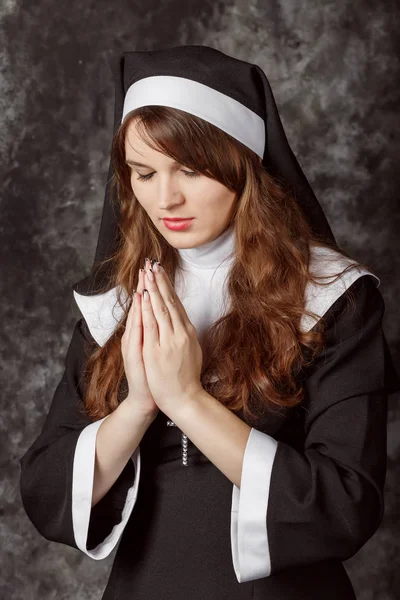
145,262
156,267
150,275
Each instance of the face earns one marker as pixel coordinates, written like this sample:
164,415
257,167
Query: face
172,190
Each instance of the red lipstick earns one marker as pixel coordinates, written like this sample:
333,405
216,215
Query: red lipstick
177,224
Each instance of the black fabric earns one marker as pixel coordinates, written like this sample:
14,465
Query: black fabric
46,467
243,81
326,495
326,489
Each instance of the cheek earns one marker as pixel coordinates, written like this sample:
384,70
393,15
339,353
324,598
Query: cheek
217,197
208,192
141,195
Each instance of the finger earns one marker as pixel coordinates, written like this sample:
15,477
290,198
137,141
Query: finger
170,296
168,308
136,317
150,325
137,323
159,306
140,282
129,320
133,309
135,339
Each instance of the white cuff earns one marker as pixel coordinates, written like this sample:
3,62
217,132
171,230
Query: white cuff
82,489
249,537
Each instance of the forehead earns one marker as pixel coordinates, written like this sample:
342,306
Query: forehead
134,142
137,151
136,147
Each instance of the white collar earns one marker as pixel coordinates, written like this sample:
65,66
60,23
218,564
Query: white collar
102,312
212,254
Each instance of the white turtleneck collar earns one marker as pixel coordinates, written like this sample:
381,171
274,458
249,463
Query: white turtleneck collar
211,254
205,273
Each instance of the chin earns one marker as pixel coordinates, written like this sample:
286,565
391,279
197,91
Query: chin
181,246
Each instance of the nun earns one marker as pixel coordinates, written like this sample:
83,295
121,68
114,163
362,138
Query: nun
222,414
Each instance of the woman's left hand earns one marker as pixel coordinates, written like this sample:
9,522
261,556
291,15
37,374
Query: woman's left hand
172,354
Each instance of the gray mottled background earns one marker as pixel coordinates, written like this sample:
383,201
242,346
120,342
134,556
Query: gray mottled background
334,69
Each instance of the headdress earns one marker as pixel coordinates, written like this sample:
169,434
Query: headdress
230,93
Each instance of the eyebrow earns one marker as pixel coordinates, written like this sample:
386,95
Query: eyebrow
137,164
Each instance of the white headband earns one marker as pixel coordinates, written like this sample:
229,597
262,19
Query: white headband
202,101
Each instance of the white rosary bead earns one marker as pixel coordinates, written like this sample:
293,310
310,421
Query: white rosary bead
184,442
184,450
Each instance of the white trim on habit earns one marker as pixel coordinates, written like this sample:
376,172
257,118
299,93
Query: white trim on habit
202,101
102,312
82,490
249,536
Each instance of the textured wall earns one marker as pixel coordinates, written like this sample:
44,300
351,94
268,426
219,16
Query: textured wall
334,69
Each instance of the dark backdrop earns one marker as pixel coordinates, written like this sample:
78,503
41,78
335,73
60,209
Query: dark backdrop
334,69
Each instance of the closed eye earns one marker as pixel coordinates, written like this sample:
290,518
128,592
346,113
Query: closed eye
150,175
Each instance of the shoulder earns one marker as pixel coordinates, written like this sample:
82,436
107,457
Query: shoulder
351,299
101,313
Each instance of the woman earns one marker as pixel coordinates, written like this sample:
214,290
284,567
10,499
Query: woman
229,430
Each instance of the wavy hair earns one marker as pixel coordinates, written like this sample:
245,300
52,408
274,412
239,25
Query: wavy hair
255,355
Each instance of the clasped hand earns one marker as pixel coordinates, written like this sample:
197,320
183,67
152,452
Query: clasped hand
171,351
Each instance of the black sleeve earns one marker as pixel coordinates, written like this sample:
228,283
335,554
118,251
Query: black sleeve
328,500
47,467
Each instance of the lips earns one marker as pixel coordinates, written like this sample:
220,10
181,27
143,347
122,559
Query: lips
177,225
178,219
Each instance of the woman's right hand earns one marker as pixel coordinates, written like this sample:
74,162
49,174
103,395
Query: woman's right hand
139,395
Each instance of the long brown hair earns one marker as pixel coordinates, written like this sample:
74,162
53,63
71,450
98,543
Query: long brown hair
255,353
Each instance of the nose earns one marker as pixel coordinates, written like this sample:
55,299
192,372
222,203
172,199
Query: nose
169,193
